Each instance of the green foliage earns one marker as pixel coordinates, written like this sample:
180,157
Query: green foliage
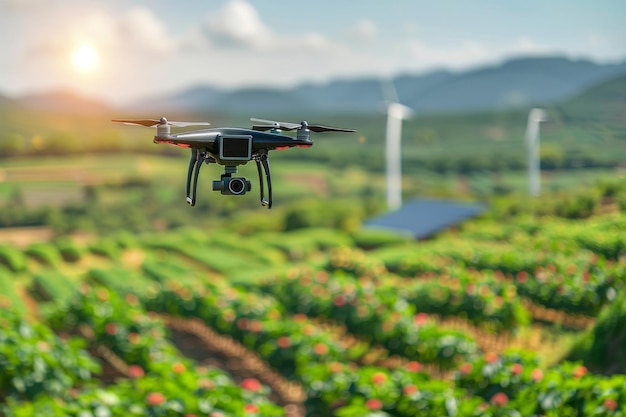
344,215
163,382
51,285
373,239
12,258
44,253
9,297
603,348
36,363
108,248
69,250
12,144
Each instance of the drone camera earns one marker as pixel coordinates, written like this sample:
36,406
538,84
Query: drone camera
232,186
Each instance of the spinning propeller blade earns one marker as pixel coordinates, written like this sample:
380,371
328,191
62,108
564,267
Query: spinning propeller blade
270,124
162,121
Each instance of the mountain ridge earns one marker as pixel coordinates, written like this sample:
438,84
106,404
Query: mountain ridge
515,83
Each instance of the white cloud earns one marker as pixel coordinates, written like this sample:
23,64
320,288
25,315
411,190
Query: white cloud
524,45
144,30
238,23
364,30
138,31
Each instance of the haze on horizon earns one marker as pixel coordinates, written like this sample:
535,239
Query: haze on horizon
123,50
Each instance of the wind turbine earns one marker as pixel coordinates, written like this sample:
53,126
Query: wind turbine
535,117
396,112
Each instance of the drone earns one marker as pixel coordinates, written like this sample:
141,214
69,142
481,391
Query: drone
231,147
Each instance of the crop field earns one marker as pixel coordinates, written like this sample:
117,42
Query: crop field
496,319
116,299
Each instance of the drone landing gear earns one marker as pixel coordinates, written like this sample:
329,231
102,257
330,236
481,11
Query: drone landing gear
195,163
263,159
227,184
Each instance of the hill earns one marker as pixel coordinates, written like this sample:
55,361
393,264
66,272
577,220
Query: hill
516,83
62,102
604,103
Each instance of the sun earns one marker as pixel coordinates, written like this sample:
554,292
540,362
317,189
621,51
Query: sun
85,58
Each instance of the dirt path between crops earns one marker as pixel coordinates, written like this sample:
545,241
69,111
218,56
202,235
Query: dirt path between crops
197,341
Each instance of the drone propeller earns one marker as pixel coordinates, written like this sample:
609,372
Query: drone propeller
270,124
163,121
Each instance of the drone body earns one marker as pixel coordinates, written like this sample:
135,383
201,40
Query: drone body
231,147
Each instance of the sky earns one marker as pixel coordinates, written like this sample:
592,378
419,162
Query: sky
124,50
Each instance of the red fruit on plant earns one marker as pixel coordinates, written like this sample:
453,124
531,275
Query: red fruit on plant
522,276
517,369
242,323
536,374
420,319
580,371
466,368
339,300
379,378
374,404
409,389
134,338
102,294
320,349
299,317
251,408
251,384
178,368
491,357
255,326
283,342
335,367
132,299
111,329
135,371
610,404
155,398
413,366
500,399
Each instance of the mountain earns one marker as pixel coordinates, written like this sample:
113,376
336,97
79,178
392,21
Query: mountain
520,82
605,102
5,102
517,83
62,102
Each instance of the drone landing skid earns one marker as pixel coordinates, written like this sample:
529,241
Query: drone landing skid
195,163
263,159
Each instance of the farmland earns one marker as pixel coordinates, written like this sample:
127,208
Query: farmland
516,317
118,299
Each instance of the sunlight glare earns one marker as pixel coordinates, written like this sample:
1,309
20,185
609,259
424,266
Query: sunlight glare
85,58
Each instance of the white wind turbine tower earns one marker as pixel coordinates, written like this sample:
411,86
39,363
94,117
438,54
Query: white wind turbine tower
535,117
396,112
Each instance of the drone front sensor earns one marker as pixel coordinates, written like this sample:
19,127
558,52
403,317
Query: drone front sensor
235,148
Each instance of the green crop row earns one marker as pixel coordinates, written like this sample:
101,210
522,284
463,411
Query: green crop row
161,381
35,363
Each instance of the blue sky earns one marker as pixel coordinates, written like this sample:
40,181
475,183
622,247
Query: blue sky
124,49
